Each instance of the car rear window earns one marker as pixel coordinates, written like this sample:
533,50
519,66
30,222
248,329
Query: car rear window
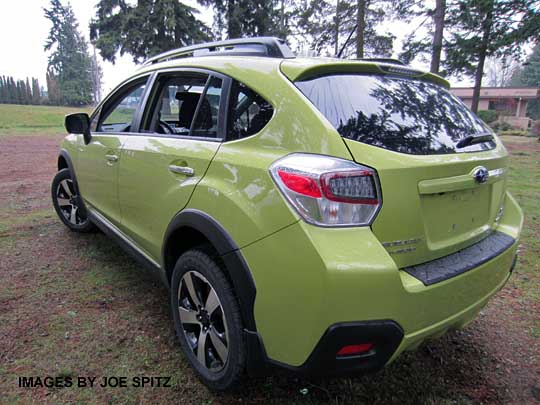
400,114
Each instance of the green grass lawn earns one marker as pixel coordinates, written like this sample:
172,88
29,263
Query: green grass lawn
34,119
524,184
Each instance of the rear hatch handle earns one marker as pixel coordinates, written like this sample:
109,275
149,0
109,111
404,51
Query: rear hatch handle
474,139
462,182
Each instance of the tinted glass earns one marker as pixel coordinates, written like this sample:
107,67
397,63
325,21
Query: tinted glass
399,114
248,112
119,116
206,121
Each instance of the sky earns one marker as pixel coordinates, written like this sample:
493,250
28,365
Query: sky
24,29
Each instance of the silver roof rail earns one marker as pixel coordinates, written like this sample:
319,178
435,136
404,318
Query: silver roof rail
259,46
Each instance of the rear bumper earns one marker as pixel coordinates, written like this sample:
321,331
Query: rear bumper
386,336
311,279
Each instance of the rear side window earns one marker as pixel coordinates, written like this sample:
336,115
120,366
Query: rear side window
400,114
248,112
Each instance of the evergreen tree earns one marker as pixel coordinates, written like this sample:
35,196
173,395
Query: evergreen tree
529,75
317,25
28,96
19,92
486,28
326,26
69,62
2,87
36,92
147,28
245,18
469,31
53,91
431,43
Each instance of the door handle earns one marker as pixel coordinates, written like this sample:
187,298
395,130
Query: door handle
111,158
187,171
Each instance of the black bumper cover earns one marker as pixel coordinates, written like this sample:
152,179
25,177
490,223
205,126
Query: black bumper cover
386,336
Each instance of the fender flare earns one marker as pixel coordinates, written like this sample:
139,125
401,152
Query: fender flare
235,264
65,155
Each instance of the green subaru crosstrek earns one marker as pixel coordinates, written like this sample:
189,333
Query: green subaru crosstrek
319,215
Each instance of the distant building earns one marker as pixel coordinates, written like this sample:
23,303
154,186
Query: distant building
509,102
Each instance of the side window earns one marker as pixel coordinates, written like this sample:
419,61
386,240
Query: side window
118,113
248,112
174,103
206,120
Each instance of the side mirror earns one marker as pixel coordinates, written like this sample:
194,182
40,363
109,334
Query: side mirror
79,123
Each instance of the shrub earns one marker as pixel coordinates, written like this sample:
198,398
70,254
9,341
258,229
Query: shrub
501,126
488,116
513,132
535,128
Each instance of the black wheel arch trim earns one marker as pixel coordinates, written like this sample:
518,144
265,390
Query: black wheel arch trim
235,264
65,155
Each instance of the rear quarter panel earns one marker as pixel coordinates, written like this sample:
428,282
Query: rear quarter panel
237,190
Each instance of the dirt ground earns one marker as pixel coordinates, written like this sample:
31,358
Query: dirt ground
76,305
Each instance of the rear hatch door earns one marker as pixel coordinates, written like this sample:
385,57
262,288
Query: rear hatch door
442,170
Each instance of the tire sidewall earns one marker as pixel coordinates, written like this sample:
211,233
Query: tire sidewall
200,261
62,175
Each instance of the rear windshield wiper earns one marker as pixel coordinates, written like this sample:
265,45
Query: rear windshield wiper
474,139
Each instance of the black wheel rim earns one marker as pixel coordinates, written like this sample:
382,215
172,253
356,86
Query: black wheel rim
203,321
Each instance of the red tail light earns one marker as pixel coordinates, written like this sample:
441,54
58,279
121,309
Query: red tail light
328,191
300,184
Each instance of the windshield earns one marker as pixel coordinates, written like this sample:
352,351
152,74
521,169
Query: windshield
399,114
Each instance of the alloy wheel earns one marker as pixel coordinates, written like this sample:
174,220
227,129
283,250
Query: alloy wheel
68,202
203,321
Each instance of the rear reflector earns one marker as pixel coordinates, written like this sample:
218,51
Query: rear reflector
355,350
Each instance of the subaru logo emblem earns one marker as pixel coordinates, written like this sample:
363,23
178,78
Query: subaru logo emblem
480,174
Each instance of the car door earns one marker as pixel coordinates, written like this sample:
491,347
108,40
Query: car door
98,161
180,133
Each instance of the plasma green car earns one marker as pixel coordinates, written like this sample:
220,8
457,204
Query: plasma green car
318,215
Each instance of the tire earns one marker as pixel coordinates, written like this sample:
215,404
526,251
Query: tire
204,295
68,204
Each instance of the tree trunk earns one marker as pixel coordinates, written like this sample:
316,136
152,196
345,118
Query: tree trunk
336,44
282,20
482,53
233,26
438,19
360,28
